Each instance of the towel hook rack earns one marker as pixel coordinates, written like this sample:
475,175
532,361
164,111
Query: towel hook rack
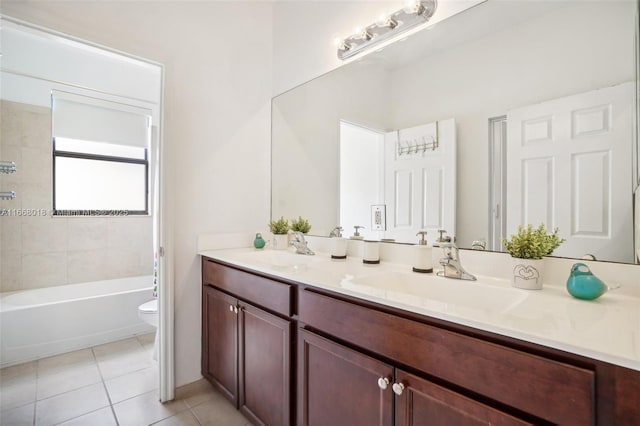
7,167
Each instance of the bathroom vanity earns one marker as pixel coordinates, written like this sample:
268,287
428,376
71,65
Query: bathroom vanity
288,345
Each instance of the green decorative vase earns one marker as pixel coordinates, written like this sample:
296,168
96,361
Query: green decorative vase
259,241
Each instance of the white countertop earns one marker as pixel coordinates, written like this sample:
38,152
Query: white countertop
607,329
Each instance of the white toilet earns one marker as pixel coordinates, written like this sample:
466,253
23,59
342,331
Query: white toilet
148,312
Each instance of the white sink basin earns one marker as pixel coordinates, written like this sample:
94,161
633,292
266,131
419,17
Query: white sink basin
438,293
277,258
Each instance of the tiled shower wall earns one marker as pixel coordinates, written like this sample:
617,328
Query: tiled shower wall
44,251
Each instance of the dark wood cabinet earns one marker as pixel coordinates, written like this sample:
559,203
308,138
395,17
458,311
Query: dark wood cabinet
264,366
220,341
287,353
246,351
554,391
419,401
339,386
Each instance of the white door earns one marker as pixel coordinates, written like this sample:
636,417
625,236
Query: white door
560,171
420,187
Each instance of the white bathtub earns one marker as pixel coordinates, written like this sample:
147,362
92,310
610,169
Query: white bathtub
48,321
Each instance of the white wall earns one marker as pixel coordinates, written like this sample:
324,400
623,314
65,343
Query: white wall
361,177
217,58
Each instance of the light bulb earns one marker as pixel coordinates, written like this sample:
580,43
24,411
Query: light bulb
341,44
386,21
413,6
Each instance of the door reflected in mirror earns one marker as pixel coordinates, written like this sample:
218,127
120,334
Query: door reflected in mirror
560,77
406,177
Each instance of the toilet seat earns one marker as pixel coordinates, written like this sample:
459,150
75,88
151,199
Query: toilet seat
149,307
148,312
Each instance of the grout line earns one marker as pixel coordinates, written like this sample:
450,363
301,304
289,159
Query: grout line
81,415
35,396
104,385
195,417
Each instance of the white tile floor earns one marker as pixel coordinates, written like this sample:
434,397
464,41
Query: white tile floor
111,384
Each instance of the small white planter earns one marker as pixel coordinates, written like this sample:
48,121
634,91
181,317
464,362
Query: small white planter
527,273
280,241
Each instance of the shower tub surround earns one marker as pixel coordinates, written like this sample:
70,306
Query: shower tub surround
38,250
48,321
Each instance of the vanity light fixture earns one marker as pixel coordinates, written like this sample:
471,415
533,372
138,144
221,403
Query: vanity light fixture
415,12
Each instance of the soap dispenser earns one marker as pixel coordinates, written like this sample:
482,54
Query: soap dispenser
356,235
339,244
422,260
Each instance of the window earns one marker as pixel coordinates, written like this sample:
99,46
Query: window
100,157
99,178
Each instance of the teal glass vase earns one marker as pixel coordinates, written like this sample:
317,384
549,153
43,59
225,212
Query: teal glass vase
582,284
259,242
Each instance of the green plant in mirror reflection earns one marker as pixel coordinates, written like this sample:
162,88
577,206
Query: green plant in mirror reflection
300,225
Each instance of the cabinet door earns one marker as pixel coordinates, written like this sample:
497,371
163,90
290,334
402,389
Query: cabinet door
339,386
421,402
265,362
220,341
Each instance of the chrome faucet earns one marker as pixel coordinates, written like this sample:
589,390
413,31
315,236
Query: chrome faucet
479,245
451,263
301,244
336,233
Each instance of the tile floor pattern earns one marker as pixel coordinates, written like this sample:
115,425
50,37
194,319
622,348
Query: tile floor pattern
107,385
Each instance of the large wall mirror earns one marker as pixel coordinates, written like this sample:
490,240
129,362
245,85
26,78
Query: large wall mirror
507,113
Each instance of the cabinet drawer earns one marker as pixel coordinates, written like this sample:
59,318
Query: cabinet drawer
554,391
273,295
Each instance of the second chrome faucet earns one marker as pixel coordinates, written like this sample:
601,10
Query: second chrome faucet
451,263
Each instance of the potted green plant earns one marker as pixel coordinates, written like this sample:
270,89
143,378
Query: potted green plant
527,248
279,228
300,225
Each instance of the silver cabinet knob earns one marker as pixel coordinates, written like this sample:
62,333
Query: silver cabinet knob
230,308
383,382
397,388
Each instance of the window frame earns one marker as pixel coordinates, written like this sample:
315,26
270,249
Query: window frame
98,157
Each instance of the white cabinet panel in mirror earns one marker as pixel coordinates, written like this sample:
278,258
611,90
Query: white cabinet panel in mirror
558,81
